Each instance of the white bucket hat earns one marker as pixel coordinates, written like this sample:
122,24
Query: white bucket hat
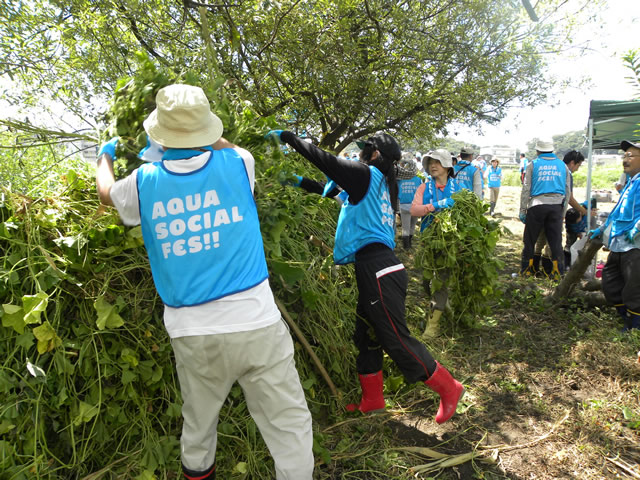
183,118
544,146
442,155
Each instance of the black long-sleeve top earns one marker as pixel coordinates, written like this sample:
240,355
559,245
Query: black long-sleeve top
313,186
353,177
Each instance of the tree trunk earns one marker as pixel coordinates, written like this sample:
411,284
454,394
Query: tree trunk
577,270
593,285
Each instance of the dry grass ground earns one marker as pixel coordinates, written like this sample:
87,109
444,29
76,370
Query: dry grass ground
552,392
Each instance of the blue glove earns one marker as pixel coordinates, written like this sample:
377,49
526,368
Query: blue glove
109,148
597,233
294,183
523,217
632,234
275,134
286,179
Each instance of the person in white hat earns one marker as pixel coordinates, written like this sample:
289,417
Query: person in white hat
433,196
494,180
365,237
544,198
201,231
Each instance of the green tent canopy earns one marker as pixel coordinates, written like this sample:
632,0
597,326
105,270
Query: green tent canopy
614,121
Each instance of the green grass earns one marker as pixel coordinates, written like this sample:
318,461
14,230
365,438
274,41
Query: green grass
602,176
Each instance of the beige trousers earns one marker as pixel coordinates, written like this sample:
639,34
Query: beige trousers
261,361
493,194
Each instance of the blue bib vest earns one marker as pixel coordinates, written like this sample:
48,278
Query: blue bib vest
372,220
201,230
549,175
407,189
494,178
626,213
464,174
438,198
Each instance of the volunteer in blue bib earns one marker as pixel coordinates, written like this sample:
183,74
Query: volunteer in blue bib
494,179
524,161
408,183
195,204
468,176
430,198
620,234
365,237
544,198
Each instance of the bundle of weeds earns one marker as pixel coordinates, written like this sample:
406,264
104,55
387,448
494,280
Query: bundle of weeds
88,379
461,241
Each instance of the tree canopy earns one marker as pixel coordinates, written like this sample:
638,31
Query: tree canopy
337,70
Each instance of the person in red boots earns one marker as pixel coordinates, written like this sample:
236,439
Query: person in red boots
365,237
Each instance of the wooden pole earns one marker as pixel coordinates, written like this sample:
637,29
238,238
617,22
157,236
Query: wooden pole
294,326
585,256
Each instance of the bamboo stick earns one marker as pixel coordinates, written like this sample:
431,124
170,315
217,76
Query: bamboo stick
307,347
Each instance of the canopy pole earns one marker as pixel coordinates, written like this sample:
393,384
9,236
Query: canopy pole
589,168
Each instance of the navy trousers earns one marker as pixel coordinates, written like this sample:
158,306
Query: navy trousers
548,218
380,317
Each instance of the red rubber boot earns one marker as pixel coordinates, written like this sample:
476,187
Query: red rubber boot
372,397
449,389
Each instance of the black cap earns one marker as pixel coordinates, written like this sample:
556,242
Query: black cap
385,144
625,144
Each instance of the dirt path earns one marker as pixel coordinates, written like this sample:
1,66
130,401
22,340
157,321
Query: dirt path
552,393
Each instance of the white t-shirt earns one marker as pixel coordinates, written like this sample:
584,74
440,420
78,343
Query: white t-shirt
249,310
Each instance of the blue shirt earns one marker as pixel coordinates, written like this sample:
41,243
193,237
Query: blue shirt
438,198
407,189
495,177
549,175
371,220
624,216
465,173
201,229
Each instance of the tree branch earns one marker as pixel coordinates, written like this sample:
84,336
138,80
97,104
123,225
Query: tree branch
136,33
276,27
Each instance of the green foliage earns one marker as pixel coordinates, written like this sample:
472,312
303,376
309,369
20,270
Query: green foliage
632,62
340,70
511,176
88,379
36,170
571,141
80,384
562,143
456,252
602,176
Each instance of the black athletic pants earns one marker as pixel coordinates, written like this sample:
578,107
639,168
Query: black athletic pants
621,279
380,321
549,218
